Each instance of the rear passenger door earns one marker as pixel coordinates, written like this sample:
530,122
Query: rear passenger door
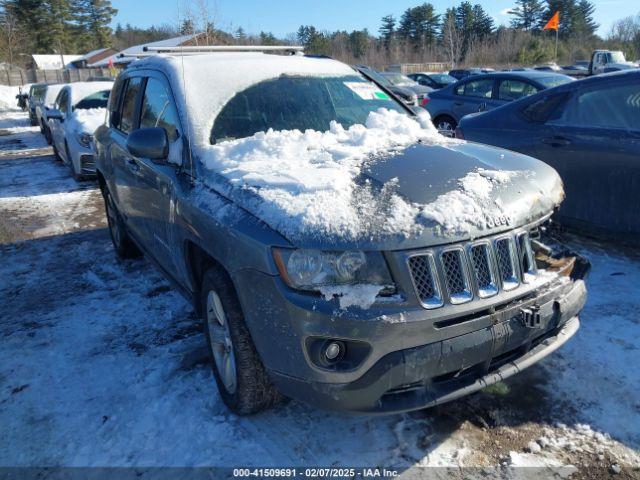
472,96
511,89
159,179
594,144
57,127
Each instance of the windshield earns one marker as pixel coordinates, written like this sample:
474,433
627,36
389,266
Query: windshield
555,80
400,80
289,103
617,57
443,78
95,100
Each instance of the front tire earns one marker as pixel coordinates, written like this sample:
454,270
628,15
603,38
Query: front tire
445,123
241,377
122,243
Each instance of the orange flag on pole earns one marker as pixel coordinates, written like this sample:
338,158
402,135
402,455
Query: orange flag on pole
553,23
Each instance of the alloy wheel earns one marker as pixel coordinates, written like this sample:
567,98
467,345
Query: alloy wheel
220,341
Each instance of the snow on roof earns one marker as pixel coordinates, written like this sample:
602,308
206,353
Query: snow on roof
136,49
80,90
53,62
211,80
93,53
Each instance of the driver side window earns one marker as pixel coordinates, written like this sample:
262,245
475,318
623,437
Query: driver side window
158,109
62,102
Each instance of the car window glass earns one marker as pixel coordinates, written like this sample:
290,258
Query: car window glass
127,119
543,108
158,109
607,107
63,101
291,102
95,100
515,89
476,88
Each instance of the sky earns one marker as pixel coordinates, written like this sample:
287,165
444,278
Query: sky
282,17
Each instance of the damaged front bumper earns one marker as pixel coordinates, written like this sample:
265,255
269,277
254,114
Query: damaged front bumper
442,371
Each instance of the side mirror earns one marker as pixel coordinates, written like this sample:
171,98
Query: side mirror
149,143
55,114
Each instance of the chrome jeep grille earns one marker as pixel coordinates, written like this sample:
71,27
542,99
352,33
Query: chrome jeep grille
483,268
423,270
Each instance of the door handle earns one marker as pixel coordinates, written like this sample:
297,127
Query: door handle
556,141
133,165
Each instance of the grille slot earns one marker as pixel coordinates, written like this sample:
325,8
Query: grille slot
506,264
424,280
456,277
526,258
481,262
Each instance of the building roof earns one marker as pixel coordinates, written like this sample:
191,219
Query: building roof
137,49
53,61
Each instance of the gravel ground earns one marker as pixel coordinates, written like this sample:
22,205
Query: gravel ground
103,364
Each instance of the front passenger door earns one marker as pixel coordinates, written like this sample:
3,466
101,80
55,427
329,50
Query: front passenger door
159,179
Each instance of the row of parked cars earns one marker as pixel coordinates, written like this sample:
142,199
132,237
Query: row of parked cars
257,231
67,115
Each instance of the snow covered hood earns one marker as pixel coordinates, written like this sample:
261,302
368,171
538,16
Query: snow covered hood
87,120
394,183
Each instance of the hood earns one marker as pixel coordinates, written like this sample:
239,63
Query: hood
456,192
393,183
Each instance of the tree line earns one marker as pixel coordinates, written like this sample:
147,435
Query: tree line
465,34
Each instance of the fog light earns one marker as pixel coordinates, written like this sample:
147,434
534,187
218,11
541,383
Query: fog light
333,351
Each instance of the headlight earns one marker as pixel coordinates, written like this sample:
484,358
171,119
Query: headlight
311,269
84,139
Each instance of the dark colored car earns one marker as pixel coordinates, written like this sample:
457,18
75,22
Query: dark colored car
464,72
479,93
589,131
406,95
433,80
402,81
36,92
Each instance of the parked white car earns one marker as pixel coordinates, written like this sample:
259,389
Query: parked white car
79,109
44,105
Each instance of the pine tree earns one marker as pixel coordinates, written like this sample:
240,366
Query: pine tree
388,29
527,15
267,38
419,24
483,25
93,18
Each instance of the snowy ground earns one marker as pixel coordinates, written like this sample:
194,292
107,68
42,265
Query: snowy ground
103,364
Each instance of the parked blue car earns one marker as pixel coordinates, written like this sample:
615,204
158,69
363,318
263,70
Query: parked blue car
478,93
589,131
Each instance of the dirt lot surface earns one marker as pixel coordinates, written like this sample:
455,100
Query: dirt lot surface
102,363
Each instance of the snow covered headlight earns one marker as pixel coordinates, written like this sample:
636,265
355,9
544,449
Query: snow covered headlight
84,139
307,269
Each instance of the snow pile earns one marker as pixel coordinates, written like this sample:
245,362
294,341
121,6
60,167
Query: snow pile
305,181
458,210
362,296
8,100
87,120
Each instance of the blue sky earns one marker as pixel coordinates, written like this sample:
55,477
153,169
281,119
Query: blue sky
284,16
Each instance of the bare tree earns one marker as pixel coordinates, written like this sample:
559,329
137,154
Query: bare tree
452,40
11,36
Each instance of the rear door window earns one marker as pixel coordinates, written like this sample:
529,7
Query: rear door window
158,109
511,90
476,88
129,105
604,107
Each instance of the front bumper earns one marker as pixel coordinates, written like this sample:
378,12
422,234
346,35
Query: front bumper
444,370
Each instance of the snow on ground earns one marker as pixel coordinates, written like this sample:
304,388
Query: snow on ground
102,363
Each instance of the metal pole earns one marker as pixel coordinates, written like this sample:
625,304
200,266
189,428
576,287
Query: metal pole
556,55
